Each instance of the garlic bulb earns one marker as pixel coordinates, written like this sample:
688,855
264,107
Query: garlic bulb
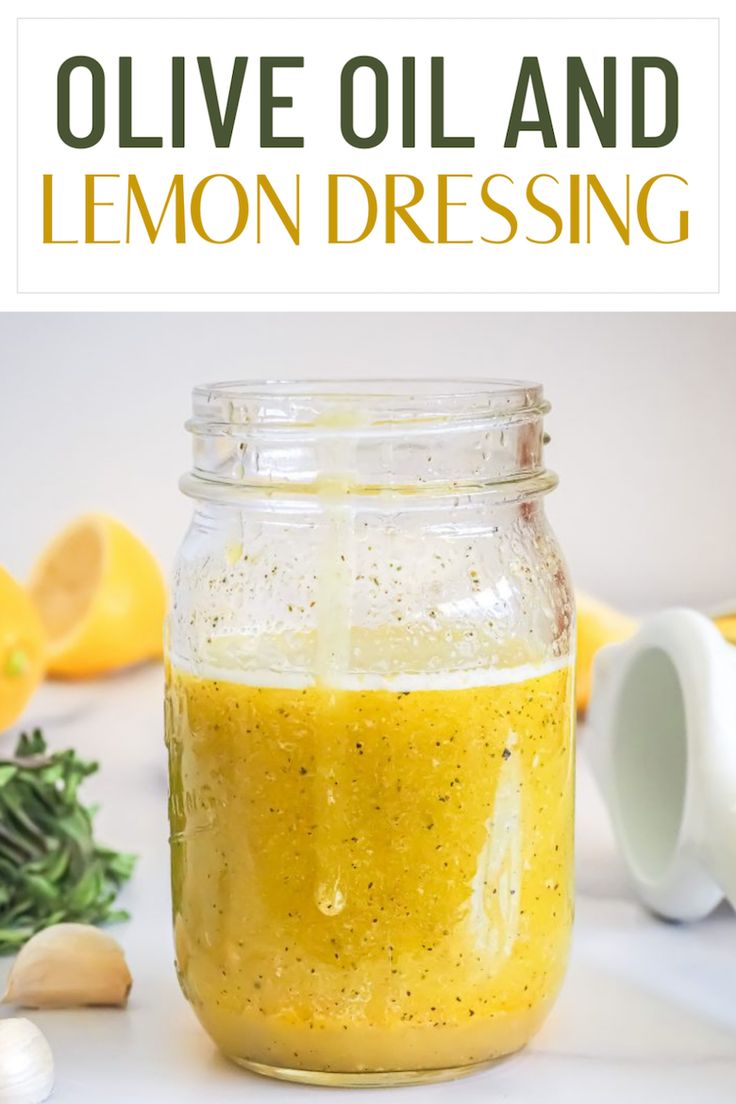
26,1063
68,965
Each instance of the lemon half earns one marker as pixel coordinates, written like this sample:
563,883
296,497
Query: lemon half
598,624
101,598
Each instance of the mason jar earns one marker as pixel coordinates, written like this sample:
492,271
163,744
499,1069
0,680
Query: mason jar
369,717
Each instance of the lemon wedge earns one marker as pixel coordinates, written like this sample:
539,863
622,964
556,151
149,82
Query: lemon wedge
101,598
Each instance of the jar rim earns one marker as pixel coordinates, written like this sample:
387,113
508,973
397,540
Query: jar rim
360,403
431,436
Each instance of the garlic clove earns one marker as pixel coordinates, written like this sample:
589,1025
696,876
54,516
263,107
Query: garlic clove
26,1063
68,965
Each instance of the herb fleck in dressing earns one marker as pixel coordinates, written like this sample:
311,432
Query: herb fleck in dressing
372,879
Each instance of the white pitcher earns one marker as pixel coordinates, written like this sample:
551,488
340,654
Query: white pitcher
662,743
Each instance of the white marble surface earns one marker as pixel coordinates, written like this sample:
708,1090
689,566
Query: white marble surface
647,1013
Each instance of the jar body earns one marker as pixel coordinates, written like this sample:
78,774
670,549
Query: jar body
369,719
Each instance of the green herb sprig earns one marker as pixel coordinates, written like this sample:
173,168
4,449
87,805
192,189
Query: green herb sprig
51,867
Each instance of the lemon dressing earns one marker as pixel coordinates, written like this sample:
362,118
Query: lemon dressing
372,869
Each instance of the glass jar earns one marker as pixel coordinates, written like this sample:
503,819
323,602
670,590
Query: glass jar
369,716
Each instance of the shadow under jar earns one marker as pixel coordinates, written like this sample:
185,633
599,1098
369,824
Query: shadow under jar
369,717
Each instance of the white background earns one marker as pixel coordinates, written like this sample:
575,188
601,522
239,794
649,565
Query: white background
92,410
544,267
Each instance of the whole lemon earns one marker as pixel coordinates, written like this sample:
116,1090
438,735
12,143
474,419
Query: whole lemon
22,649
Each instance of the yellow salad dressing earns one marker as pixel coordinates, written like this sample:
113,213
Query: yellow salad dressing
371,876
